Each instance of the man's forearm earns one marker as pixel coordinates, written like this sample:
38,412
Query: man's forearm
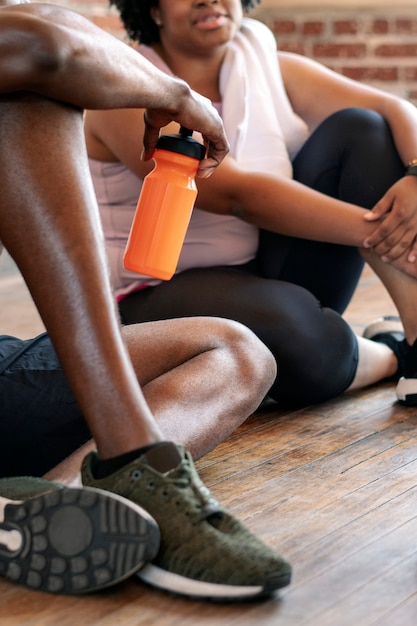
62,55
58,54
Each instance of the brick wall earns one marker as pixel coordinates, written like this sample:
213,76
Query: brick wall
375,45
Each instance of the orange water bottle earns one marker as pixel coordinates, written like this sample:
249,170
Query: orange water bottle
164,208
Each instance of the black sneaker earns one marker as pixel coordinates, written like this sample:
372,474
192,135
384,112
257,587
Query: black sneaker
63,540
389,330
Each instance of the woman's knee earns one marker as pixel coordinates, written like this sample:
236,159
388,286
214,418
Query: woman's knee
318,363
351,156
354,123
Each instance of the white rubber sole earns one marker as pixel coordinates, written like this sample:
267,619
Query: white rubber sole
174,583
386,324
407,391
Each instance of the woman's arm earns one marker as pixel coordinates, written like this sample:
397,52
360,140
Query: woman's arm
282,205
316,92
285,206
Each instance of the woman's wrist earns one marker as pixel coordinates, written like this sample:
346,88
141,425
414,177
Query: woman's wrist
411,169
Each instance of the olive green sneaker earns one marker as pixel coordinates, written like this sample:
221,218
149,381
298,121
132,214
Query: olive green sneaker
63,540
204,552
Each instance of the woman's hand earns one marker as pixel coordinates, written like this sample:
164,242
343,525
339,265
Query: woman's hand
396,215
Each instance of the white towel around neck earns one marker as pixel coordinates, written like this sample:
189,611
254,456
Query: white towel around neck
254,102
260,123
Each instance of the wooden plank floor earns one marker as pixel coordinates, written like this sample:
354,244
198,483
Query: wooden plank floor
333,487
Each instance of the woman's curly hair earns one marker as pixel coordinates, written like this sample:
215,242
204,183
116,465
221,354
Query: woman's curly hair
137,20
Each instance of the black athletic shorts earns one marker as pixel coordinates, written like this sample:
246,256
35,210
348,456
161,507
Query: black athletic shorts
40,421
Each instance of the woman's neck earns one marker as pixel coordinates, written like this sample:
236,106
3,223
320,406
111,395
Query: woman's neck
200,72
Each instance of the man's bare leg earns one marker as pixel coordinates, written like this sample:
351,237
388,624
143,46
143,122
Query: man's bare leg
202,377
49,222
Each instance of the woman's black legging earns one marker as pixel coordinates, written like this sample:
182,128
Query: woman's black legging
294,293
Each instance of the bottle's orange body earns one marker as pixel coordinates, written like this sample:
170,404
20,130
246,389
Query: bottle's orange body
162,215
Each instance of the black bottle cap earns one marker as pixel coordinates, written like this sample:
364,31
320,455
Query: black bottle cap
182,143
